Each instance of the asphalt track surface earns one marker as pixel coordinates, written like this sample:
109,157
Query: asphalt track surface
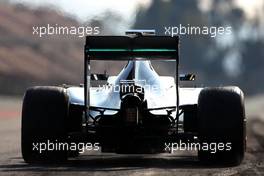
11,162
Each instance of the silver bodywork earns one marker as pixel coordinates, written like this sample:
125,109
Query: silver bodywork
160,91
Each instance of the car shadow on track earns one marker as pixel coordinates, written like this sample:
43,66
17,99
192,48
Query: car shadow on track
110,163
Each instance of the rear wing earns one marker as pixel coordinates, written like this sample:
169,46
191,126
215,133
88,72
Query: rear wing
132,48
139,47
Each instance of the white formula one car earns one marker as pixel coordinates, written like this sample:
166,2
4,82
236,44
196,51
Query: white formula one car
134,119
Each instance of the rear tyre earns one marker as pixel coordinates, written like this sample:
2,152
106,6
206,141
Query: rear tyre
44,120
222,125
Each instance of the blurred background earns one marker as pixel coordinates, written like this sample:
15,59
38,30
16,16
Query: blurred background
28,60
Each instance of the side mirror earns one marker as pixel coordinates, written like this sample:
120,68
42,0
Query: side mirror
99,77
187,77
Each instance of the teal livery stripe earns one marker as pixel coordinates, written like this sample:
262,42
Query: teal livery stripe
134,50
